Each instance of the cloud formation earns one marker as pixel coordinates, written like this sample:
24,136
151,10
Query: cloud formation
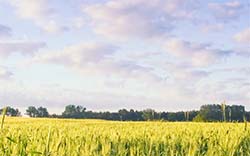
40,12
207,28
243,36
91,58
80,55
198,55
136,18
23,47
183,73
5,73
165,60
226,11
5,31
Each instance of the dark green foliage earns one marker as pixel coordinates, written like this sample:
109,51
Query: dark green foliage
32,111
207,113
199,118
72,111
149,114
11,111
237,113
42,112
211,112
37,112
216,112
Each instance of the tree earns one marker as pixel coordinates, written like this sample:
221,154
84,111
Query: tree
11,111
193,114
42,112
216,112
130,115
149,114
237,113
176,116
32,111
123,114
199,118
211,112
69,111
72,111
247,114
207,113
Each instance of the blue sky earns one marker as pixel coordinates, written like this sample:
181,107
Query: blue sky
106,54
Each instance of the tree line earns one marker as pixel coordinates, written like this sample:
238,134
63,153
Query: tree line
207,113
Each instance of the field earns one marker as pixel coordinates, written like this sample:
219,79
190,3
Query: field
57,137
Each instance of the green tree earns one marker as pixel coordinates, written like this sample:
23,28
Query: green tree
42,112
11,111
32,111
211,112
149,114
237,113
72,111
199,118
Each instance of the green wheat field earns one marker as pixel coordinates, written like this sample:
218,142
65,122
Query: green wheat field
61,137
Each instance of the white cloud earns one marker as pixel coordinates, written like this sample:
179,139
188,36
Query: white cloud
226,11
123,91
78,55
137,94
241,70
5,73
136,18
5,31
136,76
157,95
234,91
56,98
23,47
208,28
52,27
78,22
243,36
100,59
195,54
40,12
183,74
120,76
92,58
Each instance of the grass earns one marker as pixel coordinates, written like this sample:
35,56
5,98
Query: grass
54,137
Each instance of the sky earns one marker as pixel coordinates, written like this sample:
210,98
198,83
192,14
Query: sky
168,55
